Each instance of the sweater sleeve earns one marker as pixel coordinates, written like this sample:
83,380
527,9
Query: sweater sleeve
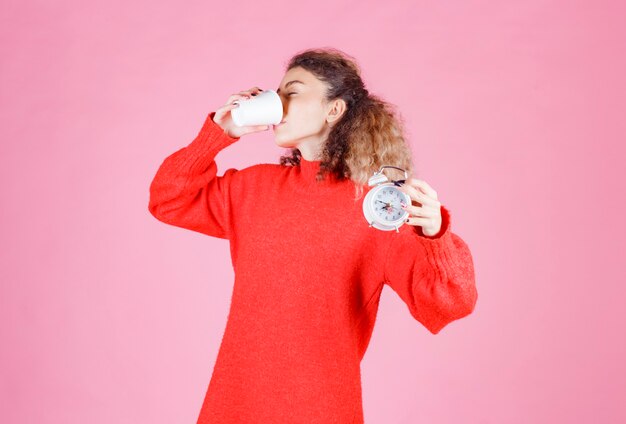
186,191
434,275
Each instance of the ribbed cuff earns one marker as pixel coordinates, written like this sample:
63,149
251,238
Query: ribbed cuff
439,247
210,140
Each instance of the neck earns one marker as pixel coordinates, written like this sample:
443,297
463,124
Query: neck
310,151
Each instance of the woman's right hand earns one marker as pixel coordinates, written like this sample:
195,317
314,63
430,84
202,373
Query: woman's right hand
224,119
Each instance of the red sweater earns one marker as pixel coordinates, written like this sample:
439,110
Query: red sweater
309,272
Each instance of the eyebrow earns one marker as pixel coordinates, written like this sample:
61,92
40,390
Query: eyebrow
289,83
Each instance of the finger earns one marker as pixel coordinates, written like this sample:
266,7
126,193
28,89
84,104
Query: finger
238,96
229,106
414,210
250,93
424,186
256,128
417,221
417,195
221,112
245,94
423,211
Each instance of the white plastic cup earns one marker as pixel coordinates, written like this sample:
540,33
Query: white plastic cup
266,108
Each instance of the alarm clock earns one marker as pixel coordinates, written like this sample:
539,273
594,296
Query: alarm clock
381,206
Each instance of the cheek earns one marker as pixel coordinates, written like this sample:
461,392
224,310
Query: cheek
311,117
304,117
304,127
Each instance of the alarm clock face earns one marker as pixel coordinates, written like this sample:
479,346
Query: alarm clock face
387,205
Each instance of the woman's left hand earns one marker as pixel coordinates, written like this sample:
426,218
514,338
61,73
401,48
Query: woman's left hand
427,213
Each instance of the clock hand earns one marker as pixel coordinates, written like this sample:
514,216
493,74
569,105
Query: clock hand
388,205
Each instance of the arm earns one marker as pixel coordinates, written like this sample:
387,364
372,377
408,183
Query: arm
434,275
186,192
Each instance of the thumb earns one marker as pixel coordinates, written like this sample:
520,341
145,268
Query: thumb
255,128
252,129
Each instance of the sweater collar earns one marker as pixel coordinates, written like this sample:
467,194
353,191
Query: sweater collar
309,168
307,171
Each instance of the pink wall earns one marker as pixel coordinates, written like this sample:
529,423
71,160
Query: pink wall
515,111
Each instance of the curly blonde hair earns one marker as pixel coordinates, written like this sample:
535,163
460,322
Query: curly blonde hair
371,132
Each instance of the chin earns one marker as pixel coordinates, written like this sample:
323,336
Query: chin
282,141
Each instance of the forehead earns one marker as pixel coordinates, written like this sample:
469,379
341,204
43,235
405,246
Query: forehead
310,83
298,74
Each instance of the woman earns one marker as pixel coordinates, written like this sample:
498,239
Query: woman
309,269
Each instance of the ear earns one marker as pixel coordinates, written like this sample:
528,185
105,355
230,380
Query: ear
336,110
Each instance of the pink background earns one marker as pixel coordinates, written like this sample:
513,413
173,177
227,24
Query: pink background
515,112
